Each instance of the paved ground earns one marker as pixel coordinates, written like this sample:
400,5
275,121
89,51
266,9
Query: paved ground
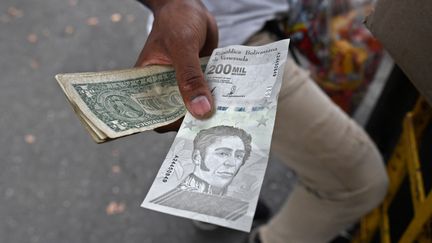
56,185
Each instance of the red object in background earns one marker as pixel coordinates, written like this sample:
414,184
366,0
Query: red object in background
303,43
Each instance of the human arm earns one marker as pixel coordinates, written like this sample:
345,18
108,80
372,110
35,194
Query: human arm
183,30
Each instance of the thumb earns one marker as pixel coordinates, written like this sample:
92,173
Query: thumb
193,88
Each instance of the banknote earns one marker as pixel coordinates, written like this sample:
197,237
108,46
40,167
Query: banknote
114,104
214,169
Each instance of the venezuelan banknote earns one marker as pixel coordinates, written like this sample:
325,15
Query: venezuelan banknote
114,104
214,169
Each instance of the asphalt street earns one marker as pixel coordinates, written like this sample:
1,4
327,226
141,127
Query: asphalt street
56,184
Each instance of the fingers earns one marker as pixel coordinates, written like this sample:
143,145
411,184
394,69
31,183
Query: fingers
192,85
193,88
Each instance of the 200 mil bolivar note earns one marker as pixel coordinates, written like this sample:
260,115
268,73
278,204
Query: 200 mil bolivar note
214,169
114,104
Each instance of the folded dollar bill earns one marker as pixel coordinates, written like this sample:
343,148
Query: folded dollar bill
114,104
214,169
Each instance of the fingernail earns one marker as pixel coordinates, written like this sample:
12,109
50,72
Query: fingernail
200,105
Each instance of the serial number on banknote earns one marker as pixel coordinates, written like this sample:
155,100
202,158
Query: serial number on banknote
170,169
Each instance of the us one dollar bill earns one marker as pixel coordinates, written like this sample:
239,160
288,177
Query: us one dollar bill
214,169
114,104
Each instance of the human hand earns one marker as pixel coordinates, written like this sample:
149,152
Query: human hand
183,30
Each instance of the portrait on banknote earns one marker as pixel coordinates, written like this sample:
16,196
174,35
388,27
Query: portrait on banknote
217,155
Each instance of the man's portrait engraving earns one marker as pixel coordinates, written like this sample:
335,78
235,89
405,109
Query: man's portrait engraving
218,154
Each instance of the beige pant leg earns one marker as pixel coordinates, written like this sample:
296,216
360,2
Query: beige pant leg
341,174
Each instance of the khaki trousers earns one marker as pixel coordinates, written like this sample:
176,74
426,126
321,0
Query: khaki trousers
341,175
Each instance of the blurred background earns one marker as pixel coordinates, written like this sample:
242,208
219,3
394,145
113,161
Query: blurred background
56,184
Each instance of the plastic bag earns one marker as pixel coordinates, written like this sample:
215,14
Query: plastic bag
342,54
